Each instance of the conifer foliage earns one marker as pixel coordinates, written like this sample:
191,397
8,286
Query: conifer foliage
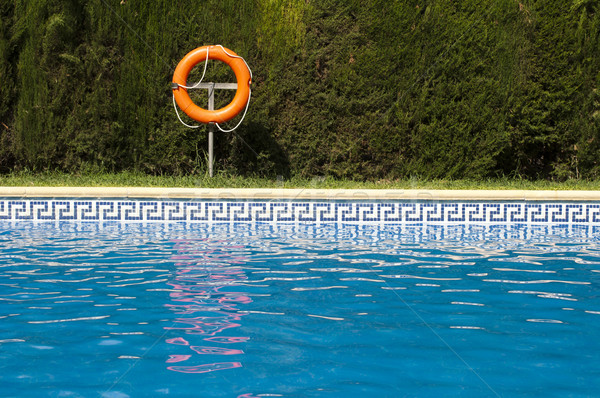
351,89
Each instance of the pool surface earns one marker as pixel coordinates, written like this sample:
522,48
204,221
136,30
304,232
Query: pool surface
117,310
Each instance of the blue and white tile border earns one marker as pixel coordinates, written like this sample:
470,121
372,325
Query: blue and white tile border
299,211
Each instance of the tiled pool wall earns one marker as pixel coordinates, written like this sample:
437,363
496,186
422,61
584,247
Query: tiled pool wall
298,211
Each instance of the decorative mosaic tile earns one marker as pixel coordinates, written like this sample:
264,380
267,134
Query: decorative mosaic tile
301,212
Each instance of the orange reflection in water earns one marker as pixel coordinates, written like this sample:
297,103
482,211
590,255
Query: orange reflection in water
206,303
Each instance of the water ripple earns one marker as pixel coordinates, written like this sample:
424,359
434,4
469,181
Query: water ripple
298,309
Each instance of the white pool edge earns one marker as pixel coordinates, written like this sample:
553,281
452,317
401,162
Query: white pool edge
297,194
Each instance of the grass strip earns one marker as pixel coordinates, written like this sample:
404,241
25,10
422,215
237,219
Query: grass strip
133,179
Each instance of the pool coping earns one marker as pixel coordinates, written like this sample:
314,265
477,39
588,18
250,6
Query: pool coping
297,194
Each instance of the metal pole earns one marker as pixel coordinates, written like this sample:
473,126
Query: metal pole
211,129
211,107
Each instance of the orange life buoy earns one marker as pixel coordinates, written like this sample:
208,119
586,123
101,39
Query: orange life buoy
242,75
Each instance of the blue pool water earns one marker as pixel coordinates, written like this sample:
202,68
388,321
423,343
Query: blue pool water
226,310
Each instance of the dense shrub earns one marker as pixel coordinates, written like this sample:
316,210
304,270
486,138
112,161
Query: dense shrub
344,88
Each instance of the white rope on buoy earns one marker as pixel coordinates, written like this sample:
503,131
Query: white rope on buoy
236,56
243,116
189,88
179,117
249,92
203,73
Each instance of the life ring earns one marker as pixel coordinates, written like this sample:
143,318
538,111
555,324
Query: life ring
242,75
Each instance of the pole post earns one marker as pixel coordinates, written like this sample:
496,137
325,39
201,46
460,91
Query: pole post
211,126
211,129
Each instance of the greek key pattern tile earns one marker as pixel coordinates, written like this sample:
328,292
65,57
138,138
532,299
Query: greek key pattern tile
301,212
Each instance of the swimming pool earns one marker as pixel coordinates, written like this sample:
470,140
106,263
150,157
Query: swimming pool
328,309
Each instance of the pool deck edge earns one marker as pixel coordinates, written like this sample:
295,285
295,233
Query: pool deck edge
295,194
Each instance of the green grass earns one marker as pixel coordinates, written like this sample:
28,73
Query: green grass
132,179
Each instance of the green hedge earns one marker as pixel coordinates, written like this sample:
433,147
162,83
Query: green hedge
353,89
